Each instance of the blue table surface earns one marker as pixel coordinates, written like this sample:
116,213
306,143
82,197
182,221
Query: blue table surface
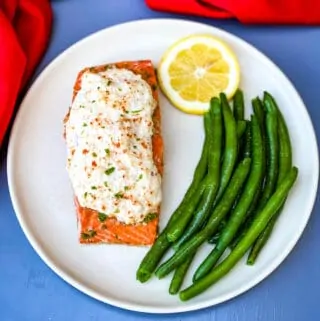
30,291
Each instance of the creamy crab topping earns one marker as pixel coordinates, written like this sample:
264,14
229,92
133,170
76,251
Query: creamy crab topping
109,145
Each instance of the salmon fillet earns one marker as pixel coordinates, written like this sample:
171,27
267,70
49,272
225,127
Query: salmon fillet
94,228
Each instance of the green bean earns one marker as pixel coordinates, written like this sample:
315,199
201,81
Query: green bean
230,148
241,128
248,218
212,181
161,245
152,258
261,240
177,228
214,238
200,215
236,239
272,152
238,214
209,193
246,150
285,149
238,113
242,232
238,105
269,133
255,201
219,212
258,110
179,275
260,114
199,174
259,224
247,222
285,163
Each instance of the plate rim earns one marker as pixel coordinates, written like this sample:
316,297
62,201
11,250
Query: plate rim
65,276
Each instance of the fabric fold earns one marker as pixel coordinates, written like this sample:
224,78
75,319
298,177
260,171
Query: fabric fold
289,12
25,28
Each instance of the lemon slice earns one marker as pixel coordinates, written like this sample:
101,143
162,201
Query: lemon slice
195,69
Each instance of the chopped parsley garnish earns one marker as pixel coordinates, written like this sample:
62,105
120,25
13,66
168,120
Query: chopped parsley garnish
136,111
102,217
138,139
81,106
84,124
109,82
109,171
89,234
134,146
150,217
94,154
140,176
118,195
107,150
93,101
105,184
117,210
85,194
126,188
93,187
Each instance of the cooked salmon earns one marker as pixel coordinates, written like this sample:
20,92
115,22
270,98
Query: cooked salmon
97,227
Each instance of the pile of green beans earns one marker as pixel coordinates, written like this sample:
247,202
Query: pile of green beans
239,188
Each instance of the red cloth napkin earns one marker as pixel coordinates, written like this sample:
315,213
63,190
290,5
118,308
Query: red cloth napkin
302,12
25,27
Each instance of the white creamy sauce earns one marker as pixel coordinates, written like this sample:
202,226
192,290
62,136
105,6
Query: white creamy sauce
109,142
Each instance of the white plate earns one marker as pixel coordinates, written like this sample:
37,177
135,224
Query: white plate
42,196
